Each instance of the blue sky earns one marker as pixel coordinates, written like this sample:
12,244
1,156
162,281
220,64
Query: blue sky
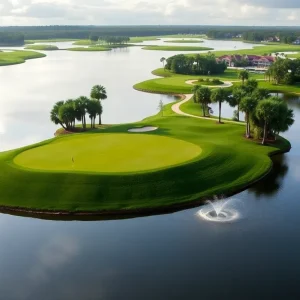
135,12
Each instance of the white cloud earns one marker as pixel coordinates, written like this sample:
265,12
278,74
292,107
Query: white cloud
127,12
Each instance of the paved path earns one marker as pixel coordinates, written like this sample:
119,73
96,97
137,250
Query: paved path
177,110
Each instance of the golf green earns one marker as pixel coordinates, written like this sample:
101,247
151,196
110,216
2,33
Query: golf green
109,153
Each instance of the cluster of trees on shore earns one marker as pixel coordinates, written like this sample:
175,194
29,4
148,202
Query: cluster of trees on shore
286,71
195,65
266,116
111,40
287,35
11,39
65,113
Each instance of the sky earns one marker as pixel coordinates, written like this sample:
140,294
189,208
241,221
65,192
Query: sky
154,12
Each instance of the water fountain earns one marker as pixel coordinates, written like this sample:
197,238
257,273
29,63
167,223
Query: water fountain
219,210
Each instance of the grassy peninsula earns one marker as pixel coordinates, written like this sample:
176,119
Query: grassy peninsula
43,47
210,164
172,83
17,57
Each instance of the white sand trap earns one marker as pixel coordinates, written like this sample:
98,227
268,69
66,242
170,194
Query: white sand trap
143,129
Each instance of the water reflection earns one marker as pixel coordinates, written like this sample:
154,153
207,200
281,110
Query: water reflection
271,184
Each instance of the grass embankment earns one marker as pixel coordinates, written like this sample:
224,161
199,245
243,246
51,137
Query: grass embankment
18,57
228,162
42,47
184,41
177,48
176,84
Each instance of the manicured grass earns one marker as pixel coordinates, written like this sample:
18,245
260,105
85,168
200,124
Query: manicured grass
169,85
228,162
18,57
175,83
176,48
42,47
184,41
139,152
289,89
91,49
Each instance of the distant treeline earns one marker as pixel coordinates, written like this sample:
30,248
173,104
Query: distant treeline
11,39
219,32
84,32
286,35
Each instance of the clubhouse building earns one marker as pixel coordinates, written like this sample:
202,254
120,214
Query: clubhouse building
247,60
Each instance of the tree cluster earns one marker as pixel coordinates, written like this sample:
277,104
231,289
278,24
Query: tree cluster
286,71
195,65
111,40
266,116
65,113
11,39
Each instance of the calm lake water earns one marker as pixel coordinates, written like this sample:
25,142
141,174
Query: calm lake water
173,256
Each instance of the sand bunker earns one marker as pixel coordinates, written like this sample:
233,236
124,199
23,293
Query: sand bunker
143,129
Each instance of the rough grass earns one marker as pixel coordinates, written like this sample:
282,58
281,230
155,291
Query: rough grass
18,57
176,48
139,152
42,47
228,162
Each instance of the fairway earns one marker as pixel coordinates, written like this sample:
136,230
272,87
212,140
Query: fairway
109,153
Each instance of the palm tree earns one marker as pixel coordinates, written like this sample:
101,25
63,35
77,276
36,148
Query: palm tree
162,60
218,96
94,108
70,103
80,108
248,105
98,92
66,114
243,75
237,95
54,114
194,91
265,111
203,96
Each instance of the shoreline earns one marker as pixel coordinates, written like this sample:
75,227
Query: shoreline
131,213
137,212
